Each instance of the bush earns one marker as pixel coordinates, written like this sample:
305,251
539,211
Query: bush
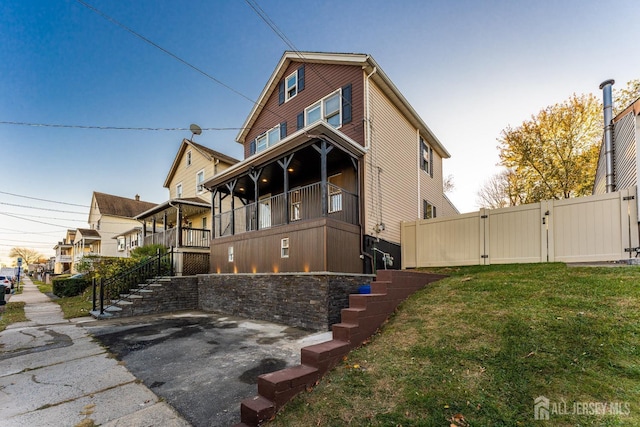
67,287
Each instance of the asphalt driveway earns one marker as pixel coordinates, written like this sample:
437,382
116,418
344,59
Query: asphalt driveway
202,364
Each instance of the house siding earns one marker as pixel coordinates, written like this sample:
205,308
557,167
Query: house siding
320,80
397,194
187,175
625,152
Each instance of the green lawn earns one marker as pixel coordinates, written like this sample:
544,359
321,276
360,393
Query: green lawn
477,348
13,313
78,306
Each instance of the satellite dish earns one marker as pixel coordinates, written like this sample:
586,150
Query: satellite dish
195,130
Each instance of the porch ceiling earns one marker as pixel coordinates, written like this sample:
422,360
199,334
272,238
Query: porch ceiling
305,164
169,208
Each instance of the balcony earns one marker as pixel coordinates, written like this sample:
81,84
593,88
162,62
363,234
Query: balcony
300,204
63,258
190,238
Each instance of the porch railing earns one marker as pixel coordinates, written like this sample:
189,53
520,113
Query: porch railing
304,203
191,237
113,289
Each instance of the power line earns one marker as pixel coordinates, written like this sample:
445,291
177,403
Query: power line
14,231
55,125
44,200
171,54
42,209
33,220
44,217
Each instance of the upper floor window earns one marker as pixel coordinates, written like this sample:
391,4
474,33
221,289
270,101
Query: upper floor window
291,85
188,158
426,157
269,138
428,210
200,181
328,109
179,191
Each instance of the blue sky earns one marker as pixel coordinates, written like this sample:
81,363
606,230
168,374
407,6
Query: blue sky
469,68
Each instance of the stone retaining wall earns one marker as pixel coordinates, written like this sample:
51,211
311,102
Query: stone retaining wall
303,300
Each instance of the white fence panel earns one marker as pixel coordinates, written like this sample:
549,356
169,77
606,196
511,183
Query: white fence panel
586,229
515,235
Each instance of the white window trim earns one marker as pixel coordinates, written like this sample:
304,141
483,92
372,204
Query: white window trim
322,109
284,248
179,190
286,86
199,185
265,135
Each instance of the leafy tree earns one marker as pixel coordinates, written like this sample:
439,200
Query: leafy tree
29,256
554,154
622,98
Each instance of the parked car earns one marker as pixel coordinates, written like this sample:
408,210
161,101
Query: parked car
8,285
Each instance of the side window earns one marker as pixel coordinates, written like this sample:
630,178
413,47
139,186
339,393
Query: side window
179,191
188,158
200,182
428,210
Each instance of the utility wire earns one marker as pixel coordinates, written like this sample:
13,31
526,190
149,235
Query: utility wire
33,220
55,125
42,209
173,55
44,200
274,27
44,217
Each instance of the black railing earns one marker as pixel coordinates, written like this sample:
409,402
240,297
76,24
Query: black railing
113,288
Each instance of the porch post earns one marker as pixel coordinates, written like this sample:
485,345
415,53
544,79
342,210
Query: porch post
179,226
213,213
323,150
231,186
255,176
144,232
284,164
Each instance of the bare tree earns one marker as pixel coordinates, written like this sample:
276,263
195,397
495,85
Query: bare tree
448,185
29,256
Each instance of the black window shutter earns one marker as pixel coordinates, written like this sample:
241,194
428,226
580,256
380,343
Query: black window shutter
431,161
434,211
281,93
252,148
283,130
422,147
346,104
301,78
300,121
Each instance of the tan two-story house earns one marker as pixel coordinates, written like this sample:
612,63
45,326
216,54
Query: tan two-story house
335,159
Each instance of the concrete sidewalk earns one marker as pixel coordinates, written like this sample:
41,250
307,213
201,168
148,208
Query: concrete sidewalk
52,373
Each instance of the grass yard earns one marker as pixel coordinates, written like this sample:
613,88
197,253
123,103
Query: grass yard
13,313
72,307
477,349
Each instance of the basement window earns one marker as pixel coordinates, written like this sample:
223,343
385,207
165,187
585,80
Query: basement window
284,248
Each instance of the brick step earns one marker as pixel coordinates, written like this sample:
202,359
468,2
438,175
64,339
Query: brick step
255,410
280,386
324,356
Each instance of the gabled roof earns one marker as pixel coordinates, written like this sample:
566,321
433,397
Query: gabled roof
367,63
633,107
88,232
205,151
109,204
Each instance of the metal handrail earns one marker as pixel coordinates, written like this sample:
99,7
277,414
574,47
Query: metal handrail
114,287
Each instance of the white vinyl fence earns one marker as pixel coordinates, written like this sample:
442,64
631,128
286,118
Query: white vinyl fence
585,229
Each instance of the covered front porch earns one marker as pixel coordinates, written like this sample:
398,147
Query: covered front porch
178,223
274,211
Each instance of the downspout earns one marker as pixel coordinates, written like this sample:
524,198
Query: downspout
364,254
419,145
608,133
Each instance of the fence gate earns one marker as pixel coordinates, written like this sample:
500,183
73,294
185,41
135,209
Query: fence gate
585,229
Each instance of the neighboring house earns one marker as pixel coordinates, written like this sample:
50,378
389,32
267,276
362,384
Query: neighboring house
625,150
184,221
335,159
64,253
129,240
109,217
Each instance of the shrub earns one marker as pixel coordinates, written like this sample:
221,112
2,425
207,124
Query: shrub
67,287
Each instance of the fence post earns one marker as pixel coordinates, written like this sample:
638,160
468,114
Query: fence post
93,296
102,295
158,268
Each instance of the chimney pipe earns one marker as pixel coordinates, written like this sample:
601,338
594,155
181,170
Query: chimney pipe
608,132
137,197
